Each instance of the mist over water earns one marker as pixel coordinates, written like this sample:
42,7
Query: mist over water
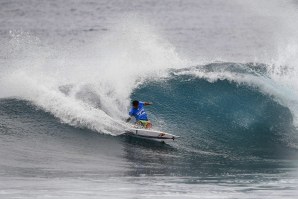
221,74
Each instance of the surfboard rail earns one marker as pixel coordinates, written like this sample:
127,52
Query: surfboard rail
150,134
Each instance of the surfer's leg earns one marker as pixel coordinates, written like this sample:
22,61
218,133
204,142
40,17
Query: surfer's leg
139,124
148,125
144,124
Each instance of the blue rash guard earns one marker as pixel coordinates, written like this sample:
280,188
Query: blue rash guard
139,113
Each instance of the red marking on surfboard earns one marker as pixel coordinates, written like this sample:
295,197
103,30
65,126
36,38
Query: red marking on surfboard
161,134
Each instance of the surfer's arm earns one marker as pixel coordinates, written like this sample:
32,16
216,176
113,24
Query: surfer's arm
130,115
147,103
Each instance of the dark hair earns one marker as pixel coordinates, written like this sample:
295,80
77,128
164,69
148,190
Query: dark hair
135,103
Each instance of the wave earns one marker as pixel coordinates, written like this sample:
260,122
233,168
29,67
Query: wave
218,117
92,86
222,114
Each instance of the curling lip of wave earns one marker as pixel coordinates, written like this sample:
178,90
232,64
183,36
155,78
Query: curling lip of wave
269,79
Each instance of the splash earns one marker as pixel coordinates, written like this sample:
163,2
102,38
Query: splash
88,87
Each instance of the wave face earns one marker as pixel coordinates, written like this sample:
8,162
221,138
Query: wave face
222,115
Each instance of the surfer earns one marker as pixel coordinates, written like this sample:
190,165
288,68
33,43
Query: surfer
139,113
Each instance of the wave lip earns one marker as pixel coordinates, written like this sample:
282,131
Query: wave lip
272,80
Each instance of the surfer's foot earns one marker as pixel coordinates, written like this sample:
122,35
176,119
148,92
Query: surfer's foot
148,126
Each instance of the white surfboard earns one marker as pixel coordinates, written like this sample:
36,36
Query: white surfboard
150,134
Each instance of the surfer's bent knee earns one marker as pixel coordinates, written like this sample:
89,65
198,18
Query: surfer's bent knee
144,124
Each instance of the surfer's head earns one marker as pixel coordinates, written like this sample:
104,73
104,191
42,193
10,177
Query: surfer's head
135,104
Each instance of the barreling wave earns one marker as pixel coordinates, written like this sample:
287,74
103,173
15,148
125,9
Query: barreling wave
211,105
223,106
219,115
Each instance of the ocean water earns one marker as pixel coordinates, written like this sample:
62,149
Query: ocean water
222,75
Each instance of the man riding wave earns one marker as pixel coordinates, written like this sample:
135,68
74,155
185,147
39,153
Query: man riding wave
139,113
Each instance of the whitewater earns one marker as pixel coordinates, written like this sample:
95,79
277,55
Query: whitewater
221,74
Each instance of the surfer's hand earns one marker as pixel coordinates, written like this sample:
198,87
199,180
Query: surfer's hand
128,119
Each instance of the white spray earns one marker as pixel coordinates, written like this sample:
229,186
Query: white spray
91,86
